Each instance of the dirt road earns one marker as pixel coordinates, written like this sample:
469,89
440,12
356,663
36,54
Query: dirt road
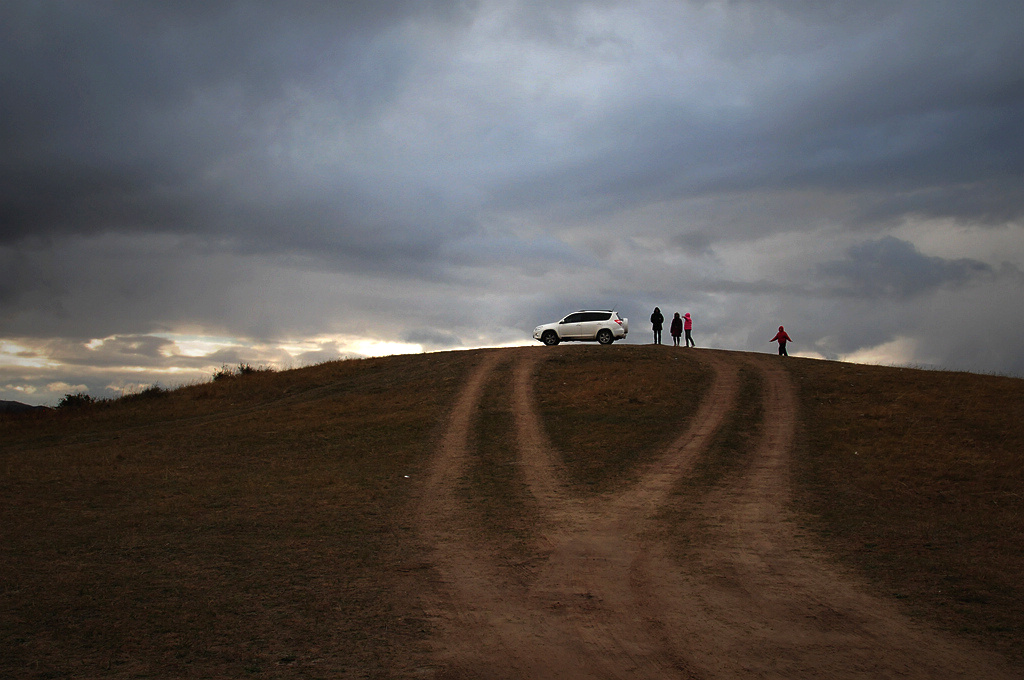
610,599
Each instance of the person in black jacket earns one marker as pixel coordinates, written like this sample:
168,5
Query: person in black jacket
657,320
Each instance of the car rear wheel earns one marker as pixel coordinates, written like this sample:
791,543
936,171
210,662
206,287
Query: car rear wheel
550,338
604,336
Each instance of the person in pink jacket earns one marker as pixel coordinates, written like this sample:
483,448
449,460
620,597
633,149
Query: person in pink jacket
688,326
782,337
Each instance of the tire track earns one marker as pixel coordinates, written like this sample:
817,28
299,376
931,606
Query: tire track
489,628
609,600
579,617
757,600
595,544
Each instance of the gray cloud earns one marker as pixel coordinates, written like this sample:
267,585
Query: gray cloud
432,338
891,268
276,172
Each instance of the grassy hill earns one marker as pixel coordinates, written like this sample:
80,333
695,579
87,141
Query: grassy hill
259,525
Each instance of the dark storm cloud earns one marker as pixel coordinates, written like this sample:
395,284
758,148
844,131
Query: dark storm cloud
854,100
156,116
891,268
993,202
134,350
453,173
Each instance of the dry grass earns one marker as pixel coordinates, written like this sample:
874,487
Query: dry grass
609,412
504,513
917,478
239,528
259,526
726,457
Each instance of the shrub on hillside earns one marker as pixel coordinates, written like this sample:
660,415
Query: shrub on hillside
150,392
226,371
75,401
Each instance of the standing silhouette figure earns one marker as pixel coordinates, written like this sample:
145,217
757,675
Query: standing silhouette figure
656,321
676,329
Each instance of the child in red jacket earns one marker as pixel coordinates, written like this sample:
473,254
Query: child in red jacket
782,338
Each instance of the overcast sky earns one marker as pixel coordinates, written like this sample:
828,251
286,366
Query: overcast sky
187,185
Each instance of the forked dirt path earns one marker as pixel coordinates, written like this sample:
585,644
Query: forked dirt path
609,600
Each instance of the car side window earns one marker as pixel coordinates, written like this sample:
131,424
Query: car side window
598,316
574,318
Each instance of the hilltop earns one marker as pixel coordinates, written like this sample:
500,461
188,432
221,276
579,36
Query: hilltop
640,510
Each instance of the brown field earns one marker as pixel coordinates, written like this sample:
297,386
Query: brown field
304,524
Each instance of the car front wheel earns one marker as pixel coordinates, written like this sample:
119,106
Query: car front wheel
604,336
550,338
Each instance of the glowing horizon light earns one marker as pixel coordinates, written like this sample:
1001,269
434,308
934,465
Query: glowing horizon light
382,348
182,356
196,346
13,354
292,348
900,351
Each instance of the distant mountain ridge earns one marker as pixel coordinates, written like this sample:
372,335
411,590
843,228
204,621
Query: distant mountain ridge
18,407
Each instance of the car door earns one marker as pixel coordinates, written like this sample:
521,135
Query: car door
571,327
591,323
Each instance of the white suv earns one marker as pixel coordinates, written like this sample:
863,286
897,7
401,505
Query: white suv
602,325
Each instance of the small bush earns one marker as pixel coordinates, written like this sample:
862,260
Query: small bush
151,392
242,369
223,373
75,401
246,369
